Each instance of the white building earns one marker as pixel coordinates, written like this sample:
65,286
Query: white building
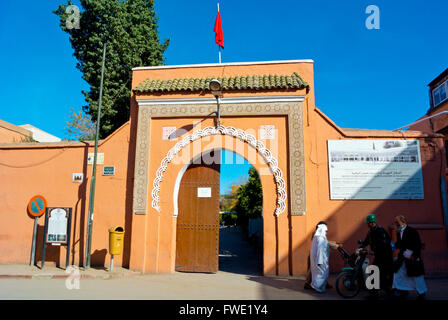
39,135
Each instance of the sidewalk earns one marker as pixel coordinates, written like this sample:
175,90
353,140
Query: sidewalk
122,284
21,271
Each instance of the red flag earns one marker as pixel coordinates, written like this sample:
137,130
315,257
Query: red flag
219,37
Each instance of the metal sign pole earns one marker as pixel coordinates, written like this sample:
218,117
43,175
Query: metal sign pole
44,245
92,184
111,262
36,207
33,247
69,228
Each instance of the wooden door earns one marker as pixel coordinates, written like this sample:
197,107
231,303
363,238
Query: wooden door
197,239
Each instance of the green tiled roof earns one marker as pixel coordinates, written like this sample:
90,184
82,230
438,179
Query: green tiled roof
265,82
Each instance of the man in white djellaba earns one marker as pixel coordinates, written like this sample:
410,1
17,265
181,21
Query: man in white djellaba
319,256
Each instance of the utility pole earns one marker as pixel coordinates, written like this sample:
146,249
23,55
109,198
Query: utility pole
92,182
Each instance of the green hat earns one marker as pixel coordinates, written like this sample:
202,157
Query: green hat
371,218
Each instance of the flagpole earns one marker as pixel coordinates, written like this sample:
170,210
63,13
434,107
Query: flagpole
219,45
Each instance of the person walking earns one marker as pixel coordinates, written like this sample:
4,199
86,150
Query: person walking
333,245
381,247
409,269
319,257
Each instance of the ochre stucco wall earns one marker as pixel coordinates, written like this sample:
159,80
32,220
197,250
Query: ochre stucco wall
8,136
10,133
26,170
46,169
346,218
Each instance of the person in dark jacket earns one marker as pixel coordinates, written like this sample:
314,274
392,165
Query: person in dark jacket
408,267
380,245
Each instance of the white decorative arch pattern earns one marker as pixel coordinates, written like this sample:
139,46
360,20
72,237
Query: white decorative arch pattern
230,131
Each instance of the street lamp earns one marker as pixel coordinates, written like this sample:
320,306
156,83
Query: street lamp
93,179
216,89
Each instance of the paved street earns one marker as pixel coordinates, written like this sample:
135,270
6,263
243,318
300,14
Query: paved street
182,286
238,279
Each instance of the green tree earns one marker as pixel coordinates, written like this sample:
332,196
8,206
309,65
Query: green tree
80,126
250,200
129,27
228,201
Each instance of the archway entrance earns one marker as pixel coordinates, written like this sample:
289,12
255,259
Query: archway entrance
172,160
209,239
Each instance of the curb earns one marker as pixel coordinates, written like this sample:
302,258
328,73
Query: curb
11,276
64,276
46,276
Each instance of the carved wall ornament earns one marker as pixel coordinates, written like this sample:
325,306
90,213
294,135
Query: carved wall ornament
233,132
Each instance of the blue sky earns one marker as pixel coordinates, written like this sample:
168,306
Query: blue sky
234,170
375,79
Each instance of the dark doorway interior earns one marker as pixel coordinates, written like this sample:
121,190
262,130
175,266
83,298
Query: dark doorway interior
237,254
240,238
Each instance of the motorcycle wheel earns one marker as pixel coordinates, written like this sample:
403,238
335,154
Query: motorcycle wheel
346,286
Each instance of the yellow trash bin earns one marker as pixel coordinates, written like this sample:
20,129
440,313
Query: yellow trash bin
116,237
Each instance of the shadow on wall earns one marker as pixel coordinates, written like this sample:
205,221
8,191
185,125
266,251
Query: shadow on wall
98,258
347,224
129,190
52,253
79,214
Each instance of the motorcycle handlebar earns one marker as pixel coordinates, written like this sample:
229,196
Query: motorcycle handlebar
359,250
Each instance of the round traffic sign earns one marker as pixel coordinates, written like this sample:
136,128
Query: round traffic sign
37,206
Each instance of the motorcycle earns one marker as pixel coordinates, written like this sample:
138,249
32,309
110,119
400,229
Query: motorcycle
352,279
